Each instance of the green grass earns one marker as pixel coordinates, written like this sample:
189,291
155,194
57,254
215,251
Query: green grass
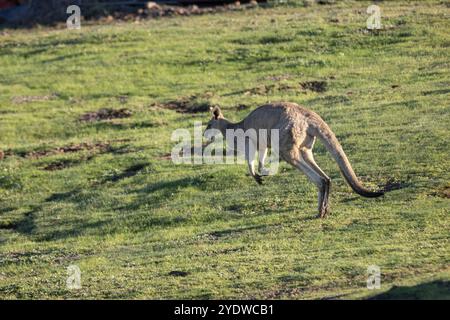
234,239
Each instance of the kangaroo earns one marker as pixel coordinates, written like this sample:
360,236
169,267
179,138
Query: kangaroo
298,128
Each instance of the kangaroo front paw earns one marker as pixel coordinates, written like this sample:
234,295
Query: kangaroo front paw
258,178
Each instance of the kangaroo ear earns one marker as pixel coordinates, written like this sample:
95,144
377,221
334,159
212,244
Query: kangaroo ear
217,113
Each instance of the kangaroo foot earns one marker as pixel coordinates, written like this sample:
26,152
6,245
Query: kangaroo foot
323,212
258,178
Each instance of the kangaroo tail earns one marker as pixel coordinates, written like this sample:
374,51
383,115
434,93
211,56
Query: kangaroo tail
324,133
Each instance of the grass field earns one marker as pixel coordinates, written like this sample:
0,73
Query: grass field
139,226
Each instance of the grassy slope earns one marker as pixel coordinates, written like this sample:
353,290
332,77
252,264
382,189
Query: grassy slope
234,238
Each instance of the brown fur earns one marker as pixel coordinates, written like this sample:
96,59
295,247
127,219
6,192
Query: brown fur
298,128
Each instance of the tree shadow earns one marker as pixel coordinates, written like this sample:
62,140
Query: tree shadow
27,224
151,195
73,231
234,231
128,172
154,194
434,290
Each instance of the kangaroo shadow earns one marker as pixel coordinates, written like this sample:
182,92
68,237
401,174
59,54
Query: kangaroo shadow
434,290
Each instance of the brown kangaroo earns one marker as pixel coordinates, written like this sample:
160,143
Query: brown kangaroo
298,128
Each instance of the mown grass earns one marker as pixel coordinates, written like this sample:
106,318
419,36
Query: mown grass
128,217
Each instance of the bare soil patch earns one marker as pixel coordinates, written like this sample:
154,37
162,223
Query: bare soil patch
442,193
106,114
316,86
64,164
267,89
263,90
278,77
153,10
445,192
190,104
99,146
50,13
71,148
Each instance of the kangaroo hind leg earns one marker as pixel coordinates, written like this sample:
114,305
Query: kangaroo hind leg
314,176
324,189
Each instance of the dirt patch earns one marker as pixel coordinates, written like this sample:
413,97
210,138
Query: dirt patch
72,148
316,86
106,114
2,155
190,104
153,10
50,13
63,164
267,89
271,89
279,77
442,193
277,294
261,90
446,193
99,146
25,99
69,257
334,20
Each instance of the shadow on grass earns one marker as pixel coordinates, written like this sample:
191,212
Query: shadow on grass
73,231
27,226
124,126
234,231
154,194
134,214
434,290
128,172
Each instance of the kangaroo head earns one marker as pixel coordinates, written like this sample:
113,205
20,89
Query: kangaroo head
217,123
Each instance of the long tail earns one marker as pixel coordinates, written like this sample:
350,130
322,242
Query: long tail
324,133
